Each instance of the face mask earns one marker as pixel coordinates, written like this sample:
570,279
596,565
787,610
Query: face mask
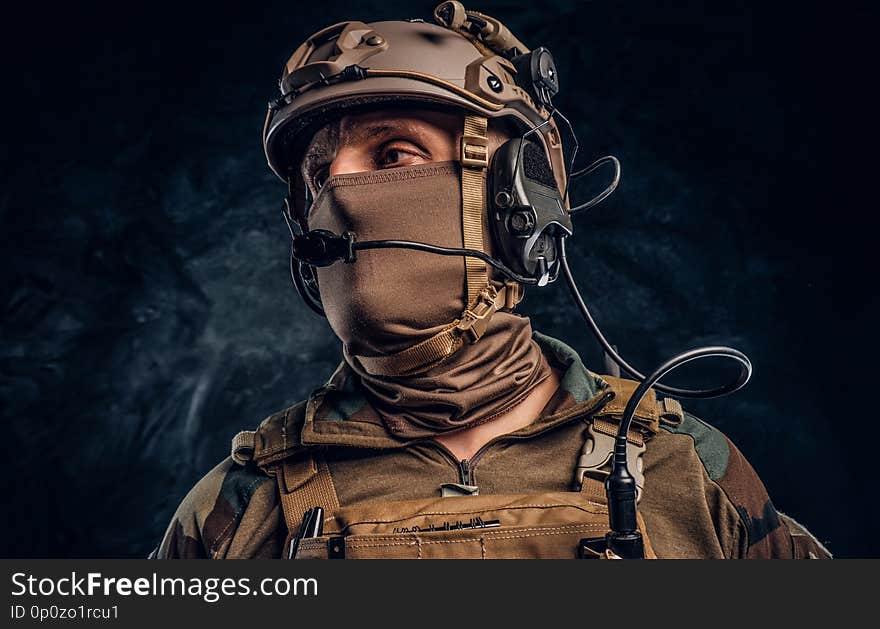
389,300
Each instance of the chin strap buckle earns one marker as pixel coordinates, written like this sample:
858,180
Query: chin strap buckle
513,294
474,151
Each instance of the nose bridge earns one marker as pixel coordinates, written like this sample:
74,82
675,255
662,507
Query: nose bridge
348,158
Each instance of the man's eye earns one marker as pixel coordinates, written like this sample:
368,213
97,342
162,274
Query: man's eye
401,156
394,155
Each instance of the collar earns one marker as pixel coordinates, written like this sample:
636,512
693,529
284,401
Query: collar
339,413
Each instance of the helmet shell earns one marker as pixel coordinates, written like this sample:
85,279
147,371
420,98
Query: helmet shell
411,62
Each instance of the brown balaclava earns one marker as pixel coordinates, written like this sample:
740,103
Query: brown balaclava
389,300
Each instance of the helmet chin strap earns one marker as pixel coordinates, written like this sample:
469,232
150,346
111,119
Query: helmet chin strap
474,158
483,298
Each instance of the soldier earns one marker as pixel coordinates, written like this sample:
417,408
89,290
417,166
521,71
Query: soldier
451,428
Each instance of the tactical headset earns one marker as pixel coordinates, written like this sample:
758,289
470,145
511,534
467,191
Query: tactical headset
525,206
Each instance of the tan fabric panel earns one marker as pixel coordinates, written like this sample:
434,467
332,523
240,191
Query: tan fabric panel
647,413
540,526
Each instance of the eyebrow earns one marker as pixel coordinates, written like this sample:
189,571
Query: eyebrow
369,130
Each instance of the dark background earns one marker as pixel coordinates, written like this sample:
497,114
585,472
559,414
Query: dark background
147,314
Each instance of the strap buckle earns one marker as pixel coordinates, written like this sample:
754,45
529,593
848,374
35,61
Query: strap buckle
473,316
596,456
474,151
513,294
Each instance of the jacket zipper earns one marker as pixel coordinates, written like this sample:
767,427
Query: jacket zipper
466,466
464,472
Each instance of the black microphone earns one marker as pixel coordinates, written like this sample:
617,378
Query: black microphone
320,247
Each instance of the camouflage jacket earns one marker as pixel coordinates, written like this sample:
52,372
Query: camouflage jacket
702,499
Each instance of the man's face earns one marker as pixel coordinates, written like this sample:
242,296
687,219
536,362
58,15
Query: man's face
370,304
384,138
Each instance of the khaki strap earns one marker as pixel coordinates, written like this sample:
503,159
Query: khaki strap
243,446
432,351
594,490
647,412
650,413
610,428
305,483
419,357
671,412
474,164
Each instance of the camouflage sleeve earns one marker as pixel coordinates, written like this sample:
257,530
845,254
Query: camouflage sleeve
704,499
210,515
767,533
805,545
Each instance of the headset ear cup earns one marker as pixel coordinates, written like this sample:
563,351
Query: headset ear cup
497,205
526,210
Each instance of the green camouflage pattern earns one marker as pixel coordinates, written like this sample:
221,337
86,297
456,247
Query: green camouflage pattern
702,499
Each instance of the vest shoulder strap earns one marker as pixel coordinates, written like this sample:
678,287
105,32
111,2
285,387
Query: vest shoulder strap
650,412
276,438
304,482
301,472
594,463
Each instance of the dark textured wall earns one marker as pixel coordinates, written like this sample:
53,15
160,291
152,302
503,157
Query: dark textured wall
147,314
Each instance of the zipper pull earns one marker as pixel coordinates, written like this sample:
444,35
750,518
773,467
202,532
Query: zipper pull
465,487
464,470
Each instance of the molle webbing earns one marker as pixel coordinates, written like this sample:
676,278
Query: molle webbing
550,525
650,412
594,490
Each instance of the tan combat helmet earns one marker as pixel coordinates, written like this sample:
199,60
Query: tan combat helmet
465,59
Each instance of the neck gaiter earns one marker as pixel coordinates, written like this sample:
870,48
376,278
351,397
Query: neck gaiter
391,299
